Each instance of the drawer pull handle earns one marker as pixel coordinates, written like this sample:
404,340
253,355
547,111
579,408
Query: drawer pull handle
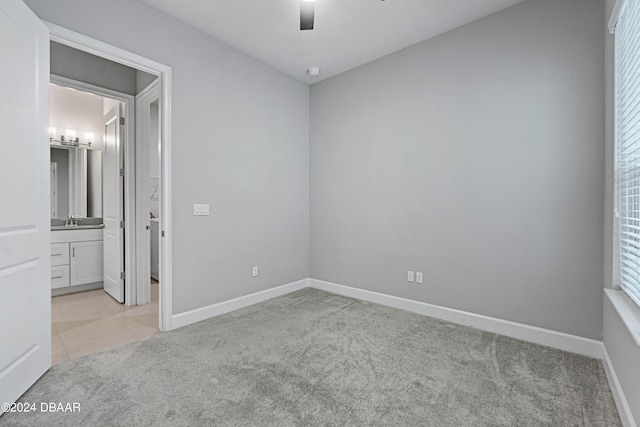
57,277
56,254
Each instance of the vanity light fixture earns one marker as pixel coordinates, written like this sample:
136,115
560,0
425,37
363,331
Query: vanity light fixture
89,137
69,138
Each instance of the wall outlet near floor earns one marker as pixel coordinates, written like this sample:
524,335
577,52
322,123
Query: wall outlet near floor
201,209
254,271
419,277
409,276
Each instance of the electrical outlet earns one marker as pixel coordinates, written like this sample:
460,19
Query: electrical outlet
254,271
419,277
201,209
409,276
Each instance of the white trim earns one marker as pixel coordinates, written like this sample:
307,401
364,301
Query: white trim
104,50
560,340
203,313
616,389
615,15
628,311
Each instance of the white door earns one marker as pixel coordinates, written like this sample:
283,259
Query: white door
147,174
25,289
113,206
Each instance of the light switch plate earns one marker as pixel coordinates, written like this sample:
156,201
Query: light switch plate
201,209
410,276
418,277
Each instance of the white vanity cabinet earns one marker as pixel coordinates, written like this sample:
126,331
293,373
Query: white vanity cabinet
76,258
59,265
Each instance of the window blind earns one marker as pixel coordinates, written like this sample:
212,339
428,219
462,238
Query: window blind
627,41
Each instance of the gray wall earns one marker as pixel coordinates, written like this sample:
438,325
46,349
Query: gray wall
143,80
475,157
240,143
75,64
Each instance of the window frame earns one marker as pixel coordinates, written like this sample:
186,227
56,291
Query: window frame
625,276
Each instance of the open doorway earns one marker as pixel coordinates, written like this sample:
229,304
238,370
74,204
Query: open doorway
104,300
26,230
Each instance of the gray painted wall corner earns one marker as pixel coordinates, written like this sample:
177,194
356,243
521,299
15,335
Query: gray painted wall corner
476,158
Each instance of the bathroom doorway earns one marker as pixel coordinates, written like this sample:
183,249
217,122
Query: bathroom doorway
105,188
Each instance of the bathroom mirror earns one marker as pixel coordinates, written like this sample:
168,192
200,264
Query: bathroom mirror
76,183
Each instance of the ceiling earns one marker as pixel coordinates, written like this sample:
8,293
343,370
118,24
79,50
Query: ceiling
347,33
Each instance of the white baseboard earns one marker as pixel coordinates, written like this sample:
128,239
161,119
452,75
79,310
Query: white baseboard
560,340
567,342
203,313
616,389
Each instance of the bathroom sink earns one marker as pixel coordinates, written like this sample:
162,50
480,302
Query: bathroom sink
75,227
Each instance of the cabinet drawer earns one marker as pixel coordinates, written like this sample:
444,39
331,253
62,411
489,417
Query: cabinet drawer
59,253
59,276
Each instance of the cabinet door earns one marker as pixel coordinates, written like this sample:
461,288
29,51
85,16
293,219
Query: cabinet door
86,262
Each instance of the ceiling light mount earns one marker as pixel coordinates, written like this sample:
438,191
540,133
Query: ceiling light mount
313,71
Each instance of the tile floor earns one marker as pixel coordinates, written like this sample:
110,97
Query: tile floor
90,322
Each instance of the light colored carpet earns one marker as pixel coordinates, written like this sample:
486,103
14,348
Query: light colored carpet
315,358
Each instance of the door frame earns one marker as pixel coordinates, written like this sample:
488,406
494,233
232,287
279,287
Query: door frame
96,47
129,174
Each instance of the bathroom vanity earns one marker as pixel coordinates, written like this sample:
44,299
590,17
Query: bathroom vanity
76,220
76,259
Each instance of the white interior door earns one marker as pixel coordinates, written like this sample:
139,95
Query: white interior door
113,205
147,171
25,298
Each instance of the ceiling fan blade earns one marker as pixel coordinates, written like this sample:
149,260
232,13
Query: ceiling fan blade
307,10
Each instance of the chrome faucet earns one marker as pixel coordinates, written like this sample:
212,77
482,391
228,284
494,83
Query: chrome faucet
71,221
